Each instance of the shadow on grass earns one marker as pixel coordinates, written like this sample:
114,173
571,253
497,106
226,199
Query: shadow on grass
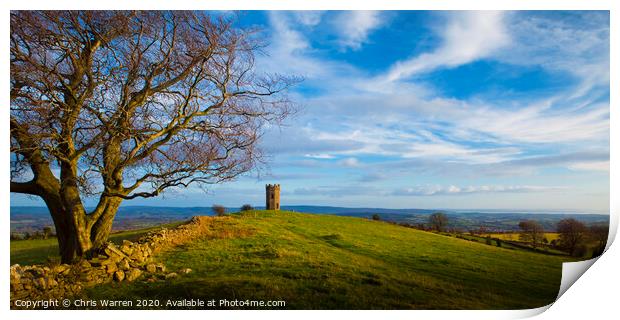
171,291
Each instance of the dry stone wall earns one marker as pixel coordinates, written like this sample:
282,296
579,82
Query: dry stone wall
127,262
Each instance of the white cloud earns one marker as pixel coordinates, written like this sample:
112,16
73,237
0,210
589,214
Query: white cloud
590,166
288,49
540,123
433,190
414,140
354,27
290,52
577,43
353,117
468,36
337,191
403,123
319,156
309,18
349,162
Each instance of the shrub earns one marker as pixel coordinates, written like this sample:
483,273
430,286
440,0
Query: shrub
219,210
247,207
376,217
488,240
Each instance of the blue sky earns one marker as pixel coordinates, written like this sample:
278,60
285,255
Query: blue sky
415,109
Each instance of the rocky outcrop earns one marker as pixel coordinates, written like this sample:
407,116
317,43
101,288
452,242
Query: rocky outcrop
129,261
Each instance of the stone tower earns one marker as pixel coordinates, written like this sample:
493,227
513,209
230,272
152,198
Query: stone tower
272,193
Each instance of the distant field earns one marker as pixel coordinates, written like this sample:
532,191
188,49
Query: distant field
514,236
331,262
512,242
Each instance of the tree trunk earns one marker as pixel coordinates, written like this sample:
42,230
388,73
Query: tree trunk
100,230
67,233
67,244
78,239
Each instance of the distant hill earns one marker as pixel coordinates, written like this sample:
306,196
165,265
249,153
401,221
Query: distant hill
28,219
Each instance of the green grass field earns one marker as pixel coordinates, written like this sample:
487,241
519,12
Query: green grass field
331,262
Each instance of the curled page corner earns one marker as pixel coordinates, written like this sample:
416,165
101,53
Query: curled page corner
571,271
529,313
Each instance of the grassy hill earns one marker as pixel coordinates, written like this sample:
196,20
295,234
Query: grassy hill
334,262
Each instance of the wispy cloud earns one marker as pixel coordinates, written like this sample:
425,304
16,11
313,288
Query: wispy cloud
354,27
468,36
541,122
319,156
350,162
388,124
336,191
371,124
289,49
419,191
308,17
456,190
573,42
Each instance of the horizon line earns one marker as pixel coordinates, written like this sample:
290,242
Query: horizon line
600,212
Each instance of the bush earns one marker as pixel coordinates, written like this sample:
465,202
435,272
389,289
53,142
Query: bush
219,210
488,240
376,217
247,207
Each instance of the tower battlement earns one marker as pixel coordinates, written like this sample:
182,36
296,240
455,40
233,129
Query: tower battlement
272,197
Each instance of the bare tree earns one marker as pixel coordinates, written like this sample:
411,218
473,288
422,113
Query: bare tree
121,105
219,210
438,221
599,233
47,232
572,234
531,231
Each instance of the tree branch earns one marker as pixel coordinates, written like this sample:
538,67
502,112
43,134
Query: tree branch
25,188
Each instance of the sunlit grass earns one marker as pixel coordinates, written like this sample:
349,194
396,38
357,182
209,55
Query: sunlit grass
331,262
